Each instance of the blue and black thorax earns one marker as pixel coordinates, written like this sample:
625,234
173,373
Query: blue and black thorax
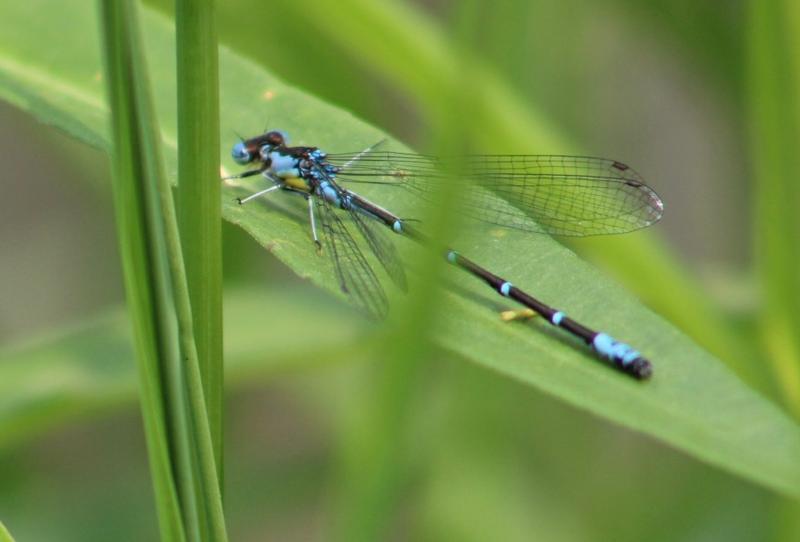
304,169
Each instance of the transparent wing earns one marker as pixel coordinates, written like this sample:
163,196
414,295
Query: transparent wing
559,195
383,248
375,236
356,277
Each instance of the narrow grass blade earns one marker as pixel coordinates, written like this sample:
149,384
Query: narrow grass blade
198,197
774,97
174,408
152,332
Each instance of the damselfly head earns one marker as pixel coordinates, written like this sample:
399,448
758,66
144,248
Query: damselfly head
260,146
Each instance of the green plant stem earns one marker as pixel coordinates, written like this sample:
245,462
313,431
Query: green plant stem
198,198
774,90
183,468
141,268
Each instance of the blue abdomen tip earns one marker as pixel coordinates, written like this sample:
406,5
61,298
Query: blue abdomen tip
607,347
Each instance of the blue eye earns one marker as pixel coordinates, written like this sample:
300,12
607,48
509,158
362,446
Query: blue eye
240,154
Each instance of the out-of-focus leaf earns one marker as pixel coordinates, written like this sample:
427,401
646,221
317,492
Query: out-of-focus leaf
90,369
5,536
693,403
774,90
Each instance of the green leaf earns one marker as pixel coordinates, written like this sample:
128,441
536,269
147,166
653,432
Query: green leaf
693,402
173,406
198,198
5,536
136,168
773,85
417,59
89,369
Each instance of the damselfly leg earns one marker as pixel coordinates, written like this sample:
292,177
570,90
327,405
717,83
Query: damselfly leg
251,197
311,219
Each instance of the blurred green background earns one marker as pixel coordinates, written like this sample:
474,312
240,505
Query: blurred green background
678,88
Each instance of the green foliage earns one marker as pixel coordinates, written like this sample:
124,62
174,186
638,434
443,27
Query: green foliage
419,60
5,536
198,197
141,238
174,411
90,371
774,84
693,402
484,458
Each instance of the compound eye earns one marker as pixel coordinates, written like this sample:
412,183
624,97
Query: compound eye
240,154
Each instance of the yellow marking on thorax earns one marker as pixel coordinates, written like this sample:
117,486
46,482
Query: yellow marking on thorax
297,183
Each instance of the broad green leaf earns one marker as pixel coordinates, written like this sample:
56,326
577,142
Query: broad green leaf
693,402
419,60
90,369
5,536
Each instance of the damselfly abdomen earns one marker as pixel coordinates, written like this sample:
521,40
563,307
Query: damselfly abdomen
557,195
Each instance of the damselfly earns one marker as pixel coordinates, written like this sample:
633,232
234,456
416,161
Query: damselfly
558,195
